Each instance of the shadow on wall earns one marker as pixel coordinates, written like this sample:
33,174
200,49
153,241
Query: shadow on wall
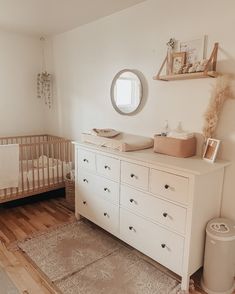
226,133
227,63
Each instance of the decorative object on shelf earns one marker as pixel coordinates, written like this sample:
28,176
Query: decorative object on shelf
211,150
220,93
200,69
202,65
44,81
186,68
195,49
170,48
178,62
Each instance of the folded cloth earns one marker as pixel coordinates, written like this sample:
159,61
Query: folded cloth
180,135
9,166
107,133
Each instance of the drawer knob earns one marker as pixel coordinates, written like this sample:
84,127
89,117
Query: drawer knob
85,180
132,200
131,228
107,167
85,160
163,246
105,214
106,190
84,202
133,176
165,214
167,186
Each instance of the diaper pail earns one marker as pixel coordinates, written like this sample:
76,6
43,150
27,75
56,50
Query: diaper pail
219,261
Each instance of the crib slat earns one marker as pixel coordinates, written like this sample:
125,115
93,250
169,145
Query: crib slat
52,156
62,158
37,156
43,175
57,161
21,167
48,166
27,167
33,168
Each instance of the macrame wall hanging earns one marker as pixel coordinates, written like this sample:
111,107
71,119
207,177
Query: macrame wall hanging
44,80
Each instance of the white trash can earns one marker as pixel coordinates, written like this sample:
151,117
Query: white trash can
219,261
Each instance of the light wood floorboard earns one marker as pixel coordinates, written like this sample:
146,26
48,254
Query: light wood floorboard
16,223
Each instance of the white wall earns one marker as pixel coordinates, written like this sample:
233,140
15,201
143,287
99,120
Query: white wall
20,61
87,58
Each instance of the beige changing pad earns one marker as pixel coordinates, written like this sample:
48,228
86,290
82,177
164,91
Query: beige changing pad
123,142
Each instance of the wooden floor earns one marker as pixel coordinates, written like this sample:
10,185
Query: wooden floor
16,223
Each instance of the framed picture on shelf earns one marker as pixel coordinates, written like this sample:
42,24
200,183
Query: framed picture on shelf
211,150
195,49
178,61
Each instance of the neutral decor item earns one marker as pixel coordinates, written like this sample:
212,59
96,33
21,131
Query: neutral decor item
44,80
195,49
107,133
81,258
123,142
158,204
218,273
211,149
209,70
174,146
220,93
44,161
126,92
44,87
170,48
178,62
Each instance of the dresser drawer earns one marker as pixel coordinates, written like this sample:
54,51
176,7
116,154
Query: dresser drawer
108,167
168,214
162,245
86,183
86,159
135,175
101,212
169,185
107,189
96,186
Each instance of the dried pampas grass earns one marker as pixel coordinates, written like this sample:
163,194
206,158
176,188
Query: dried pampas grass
220,93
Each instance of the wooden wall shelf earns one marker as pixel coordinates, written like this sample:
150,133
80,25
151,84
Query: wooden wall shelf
187,76
209,72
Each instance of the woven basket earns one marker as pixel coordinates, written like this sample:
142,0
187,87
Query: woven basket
70,194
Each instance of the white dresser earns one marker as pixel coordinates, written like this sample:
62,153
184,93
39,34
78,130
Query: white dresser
158,204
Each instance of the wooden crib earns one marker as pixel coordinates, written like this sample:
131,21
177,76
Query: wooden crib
44,162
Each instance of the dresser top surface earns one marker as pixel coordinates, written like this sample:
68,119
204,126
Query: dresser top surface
193,165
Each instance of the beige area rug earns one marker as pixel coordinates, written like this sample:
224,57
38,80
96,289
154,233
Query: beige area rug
80,258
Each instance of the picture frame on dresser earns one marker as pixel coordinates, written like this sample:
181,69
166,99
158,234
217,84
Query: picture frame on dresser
211,150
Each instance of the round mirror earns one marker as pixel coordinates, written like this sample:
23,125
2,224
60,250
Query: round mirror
126,92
